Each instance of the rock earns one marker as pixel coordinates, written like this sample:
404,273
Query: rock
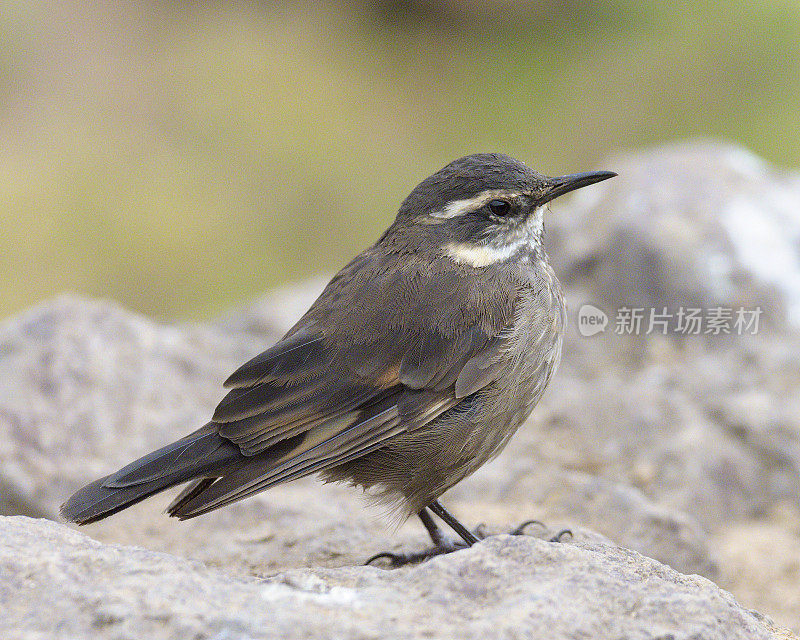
87,383
717,447
553,470
693,225
677,449
762,561
60,584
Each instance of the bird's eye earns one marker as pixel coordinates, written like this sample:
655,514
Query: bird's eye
499,207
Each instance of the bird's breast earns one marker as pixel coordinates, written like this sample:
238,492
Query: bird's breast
535,347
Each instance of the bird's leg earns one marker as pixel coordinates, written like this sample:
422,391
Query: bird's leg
466,535
441,543
471,538
434,531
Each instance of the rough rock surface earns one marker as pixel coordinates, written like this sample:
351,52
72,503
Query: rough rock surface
61,584
684,450
686,224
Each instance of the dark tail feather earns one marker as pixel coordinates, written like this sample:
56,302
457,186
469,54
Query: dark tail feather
202,454
189,493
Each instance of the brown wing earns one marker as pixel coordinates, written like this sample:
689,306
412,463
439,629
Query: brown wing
408,345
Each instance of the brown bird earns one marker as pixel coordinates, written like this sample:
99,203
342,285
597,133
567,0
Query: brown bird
414,367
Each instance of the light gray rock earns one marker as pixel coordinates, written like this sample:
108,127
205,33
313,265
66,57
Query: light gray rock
57,583
697,224
85,384
711,432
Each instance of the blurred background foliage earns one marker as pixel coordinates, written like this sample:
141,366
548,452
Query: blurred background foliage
182,157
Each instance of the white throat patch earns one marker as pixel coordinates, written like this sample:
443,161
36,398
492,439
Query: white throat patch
535,222
480,255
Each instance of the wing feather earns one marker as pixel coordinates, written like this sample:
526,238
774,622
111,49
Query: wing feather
483,368
321,448
291,357
347,379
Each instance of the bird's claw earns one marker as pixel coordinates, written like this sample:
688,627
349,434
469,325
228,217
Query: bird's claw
383,554
558,537
520,530
402,559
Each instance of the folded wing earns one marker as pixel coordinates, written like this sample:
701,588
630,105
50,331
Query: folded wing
331,391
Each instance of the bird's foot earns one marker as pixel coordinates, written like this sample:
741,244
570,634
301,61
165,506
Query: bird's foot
395,560
522,530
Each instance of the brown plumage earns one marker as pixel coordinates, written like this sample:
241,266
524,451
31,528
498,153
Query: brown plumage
413,368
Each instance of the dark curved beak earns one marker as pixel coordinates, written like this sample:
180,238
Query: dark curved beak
555,187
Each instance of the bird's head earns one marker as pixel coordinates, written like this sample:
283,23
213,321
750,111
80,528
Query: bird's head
484,208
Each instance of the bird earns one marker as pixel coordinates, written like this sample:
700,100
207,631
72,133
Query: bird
415,366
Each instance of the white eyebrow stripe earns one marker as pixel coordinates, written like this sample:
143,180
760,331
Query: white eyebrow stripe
480,255
458,207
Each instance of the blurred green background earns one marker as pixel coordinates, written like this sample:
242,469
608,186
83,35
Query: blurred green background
183,159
